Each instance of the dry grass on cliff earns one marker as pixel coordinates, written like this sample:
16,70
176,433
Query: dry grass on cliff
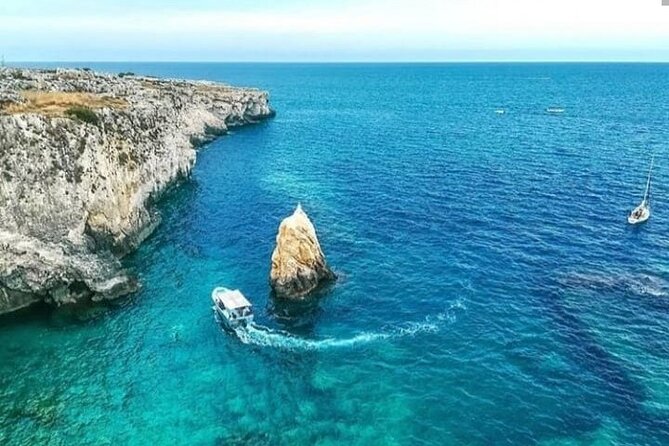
56,103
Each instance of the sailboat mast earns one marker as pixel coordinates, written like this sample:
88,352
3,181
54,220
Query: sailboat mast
645,195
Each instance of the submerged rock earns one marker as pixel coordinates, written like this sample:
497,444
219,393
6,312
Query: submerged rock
298,263
83,156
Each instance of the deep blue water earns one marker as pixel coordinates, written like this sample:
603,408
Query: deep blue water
490,289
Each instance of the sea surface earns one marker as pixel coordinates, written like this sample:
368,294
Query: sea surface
490,291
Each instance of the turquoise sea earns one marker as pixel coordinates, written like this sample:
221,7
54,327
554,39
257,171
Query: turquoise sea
490,291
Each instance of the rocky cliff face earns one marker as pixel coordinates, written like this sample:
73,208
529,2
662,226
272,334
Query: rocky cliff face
82,157
298,263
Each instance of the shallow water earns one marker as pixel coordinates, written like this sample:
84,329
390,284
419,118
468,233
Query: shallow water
490,290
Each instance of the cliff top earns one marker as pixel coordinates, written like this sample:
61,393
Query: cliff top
54,92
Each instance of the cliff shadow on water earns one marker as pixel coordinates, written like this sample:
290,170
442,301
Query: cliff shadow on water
61,317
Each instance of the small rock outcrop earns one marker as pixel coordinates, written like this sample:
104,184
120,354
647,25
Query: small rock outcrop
298,263
83,156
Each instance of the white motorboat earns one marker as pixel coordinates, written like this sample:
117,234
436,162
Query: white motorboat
641,213
232,307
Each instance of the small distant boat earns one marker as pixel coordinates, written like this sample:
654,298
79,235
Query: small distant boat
500,111
555,110
232,307
641,213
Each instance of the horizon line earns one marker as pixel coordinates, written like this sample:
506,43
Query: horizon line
455,61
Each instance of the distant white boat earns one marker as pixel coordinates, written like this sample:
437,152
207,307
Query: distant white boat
641,213
500,111
554,110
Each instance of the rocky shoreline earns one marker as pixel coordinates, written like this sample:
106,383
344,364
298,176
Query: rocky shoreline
82,157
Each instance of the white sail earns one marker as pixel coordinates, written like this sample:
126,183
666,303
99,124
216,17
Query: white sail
645,195
642,212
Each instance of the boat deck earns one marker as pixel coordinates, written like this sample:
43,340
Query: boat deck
232,299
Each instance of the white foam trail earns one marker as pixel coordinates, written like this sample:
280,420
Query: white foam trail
266,337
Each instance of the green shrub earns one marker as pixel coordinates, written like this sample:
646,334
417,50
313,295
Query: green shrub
126,73
84,114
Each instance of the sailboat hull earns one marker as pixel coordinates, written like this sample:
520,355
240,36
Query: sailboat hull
639,215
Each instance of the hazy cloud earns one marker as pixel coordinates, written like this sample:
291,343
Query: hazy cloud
362,30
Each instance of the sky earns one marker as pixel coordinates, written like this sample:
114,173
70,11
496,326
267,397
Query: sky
329,31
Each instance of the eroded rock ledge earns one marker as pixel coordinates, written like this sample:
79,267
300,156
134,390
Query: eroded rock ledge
82,156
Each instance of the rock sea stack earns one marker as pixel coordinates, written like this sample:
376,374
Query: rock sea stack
298,263
83,157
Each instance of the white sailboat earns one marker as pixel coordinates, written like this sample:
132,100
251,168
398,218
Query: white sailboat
641,213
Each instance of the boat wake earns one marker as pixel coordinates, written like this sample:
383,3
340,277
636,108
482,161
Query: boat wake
259,335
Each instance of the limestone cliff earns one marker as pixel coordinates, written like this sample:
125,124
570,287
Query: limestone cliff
298,263
82,157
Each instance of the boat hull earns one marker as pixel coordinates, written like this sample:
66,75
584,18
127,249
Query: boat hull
228,323
639,215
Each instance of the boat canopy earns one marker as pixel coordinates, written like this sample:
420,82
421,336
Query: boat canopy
232,299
